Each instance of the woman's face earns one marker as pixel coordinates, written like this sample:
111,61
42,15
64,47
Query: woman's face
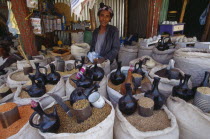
104,18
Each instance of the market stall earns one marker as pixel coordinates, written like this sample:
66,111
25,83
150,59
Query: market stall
86,70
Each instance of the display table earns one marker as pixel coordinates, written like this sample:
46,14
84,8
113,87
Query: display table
171,29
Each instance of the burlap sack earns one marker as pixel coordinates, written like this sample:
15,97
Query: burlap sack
145,51
45,100
192,122
194,62
124,130
127,53
165,86
103,130
146,67
163,57
79,49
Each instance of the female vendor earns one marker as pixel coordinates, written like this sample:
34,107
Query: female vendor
105,39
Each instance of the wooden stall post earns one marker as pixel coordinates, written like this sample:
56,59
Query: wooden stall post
92,18
183,11
26,33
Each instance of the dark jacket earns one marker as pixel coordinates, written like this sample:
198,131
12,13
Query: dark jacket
111,45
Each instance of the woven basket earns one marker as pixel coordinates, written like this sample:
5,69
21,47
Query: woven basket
64,9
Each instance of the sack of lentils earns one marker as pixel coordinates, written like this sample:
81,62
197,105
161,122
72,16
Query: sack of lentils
98,125
193,123
161,125
20,128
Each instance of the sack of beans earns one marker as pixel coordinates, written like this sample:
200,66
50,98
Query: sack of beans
145,51
148,65
163,57
21,97
127,53
98,125
19,129
70,86
166,85
194,62
80,49
161,125
192,122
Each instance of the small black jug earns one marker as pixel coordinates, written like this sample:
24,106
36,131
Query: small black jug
37,89
182,90
53,77
98,73
127,103
117,77
48,122
155,95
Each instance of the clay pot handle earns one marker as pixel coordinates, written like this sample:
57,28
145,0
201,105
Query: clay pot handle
136,65
31,121
76,62
40,67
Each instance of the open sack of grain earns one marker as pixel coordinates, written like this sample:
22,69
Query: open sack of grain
194,62
127,53
148,65
193,123
17,78
161,125
166,85
98,125
21,97
145,51
20,128
70,86
114,90
163,57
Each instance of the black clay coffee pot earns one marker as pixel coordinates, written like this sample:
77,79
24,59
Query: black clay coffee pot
127,103
117,77
53,77
182,90
155,95
48,122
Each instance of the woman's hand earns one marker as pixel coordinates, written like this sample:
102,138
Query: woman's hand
99,60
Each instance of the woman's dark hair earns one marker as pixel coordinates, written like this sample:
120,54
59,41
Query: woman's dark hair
105,7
